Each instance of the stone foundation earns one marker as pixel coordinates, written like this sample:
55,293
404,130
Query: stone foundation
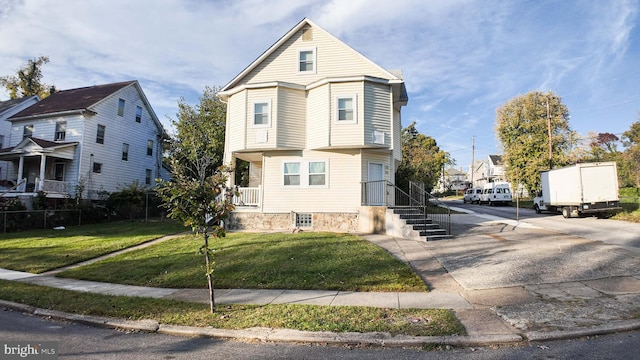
255,221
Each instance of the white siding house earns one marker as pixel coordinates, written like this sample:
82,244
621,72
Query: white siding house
9,108
316,120
91,140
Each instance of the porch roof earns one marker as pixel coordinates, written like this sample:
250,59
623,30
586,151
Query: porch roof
31,146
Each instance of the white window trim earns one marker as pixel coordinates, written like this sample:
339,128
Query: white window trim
253,113
304,173
315,62
354,99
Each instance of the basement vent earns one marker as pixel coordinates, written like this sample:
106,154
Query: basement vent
304,220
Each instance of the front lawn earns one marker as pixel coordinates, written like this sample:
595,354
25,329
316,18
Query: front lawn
307,260
38,251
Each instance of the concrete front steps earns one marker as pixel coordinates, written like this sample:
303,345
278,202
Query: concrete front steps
415,226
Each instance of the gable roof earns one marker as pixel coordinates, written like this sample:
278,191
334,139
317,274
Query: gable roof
496,159
394,77
7,105
41,143
74,100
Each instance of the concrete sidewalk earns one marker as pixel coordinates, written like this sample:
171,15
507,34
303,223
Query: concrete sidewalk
486,275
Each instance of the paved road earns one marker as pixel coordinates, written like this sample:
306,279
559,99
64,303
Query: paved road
77,341
609,231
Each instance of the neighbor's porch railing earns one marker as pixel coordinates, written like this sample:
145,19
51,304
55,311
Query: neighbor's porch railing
384,193
249,196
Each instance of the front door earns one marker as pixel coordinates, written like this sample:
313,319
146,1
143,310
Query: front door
58,172
376,185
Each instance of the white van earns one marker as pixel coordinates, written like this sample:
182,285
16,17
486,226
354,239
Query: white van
472,195
496,193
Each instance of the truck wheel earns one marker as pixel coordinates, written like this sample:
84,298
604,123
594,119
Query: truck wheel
566,212
537,209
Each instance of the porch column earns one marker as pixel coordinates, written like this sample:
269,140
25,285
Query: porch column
20,170
43,163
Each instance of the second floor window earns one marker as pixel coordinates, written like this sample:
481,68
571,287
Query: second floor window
61,130
120,107
138,114
261,113
100,134
27,131
1,141
125,152
346,109
306,61
150,147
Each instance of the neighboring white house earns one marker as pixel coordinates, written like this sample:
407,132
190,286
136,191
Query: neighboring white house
320,125
95,139
9,108
452,179
488,171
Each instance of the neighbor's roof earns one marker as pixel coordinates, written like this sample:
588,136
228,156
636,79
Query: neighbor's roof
496,159
71,100
9,104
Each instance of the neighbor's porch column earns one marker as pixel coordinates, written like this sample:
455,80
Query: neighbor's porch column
43,163
20,171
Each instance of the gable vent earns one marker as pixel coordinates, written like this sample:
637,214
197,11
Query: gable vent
307,34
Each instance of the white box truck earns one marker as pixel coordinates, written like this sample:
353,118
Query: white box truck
580,189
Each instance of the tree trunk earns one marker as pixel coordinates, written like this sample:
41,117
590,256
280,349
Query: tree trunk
209,272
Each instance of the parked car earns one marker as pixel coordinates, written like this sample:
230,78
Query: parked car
496,193
472,195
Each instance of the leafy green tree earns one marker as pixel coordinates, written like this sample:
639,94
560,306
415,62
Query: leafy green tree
422,159
522,128
631,142
28,81
197,194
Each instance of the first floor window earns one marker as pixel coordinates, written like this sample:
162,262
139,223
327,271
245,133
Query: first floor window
317,173
125,152
97,168
291,174
305,173
147,177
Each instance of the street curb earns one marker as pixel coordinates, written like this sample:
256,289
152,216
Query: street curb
323,337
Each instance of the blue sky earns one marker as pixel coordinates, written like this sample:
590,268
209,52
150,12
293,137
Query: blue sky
461,59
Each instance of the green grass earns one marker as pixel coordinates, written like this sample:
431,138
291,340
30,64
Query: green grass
307,260
416,322
38,251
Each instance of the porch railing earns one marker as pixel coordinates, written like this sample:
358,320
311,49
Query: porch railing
249,196
385,193
54,186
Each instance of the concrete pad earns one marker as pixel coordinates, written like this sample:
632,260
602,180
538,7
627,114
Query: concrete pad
616,285
246,296
431,300
579,290
378,299
438,282
428,265
498,297
312,297
483,322
195,295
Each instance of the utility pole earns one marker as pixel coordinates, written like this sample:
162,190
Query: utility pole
549,128
473,152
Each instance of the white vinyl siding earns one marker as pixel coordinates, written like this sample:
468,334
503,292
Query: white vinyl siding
347,133
341,192
333,59
318,118
236,132
291,118
261,136
377,112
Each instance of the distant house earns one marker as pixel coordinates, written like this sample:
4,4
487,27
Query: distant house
491,170
453,179
9,108
84,142
320,126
